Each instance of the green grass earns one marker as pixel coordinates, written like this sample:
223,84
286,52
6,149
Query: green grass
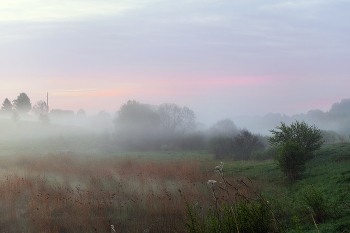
328,171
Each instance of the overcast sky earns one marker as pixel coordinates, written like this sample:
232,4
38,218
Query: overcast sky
220,58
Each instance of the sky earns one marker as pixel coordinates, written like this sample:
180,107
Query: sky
219,58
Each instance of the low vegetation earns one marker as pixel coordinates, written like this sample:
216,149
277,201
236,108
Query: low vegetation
148,191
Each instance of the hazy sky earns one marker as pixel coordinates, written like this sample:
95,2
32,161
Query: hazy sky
220,58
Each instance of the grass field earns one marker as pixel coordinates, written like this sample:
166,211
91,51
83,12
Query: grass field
84,183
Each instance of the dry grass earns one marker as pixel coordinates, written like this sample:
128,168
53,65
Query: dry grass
73,194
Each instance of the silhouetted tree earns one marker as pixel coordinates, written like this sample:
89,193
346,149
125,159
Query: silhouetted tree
244,143
137,125
174,118
40,108
22,103
188,120
224,128
170,117
102,120
6,105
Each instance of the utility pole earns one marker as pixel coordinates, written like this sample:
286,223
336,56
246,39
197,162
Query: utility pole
47,102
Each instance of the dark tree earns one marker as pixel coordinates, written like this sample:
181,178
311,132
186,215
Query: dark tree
22,103
40,108
291,160
170,117
308,137
188,120
137,125
224,128
245,143
176,119
6,105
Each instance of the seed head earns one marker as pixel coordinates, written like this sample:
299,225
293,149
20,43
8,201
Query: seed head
212,182
219,167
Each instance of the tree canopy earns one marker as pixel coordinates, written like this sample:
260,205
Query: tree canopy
224,128
174,118
40,108
136,124
308,137
6,105
22,103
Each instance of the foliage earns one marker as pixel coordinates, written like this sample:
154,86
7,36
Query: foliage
6,105
102,120
308,137
136,125
22,103
314,199
220,146
40,108
291,160
188,123
244,143
297,224
174,118
224,128
238,147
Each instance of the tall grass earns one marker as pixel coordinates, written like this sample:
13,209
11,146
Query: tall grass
74,194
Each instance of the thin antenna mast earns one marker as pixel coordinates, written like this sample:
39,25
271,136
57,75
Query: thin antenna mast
47,102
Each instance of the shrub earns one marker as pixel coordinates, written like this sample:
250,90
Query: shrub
291,160
308,137
220,146
314,199
246,142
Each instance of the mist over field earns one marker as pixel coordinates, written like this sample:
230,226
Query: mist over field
140,126
198,116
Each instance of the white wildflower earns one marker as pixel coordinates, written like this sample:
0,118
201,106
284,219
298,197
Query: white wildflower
219,167
212,182
112,227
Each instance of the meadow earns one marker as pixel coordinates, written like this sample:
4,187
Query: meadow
84,183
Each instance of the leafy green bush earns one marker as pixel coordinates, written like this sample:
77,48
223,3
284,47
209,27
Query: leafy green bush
245,143
291,160
308,137
314,199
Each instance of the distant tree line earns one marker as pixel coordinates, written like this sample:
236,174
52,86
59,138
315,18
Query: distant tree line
170,126
140,126
22,105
